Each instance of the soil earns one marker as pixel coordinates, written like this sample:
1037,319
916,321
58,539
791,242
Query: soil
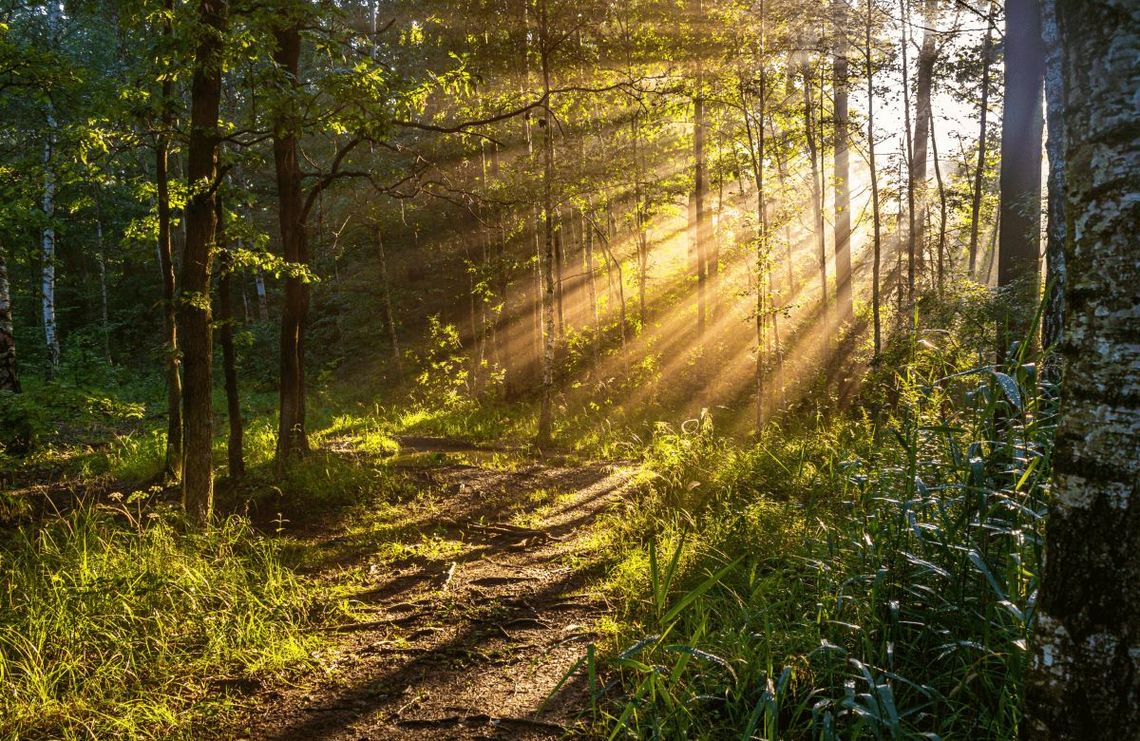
478,640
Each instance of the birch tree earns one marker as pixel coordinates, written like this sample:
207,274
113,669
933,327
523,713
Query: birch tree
1084,680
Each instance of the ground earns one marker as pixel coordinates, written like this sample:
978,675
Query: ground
473,634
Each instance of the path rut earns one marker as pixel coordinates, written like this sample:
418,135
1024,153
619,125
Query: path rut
469,645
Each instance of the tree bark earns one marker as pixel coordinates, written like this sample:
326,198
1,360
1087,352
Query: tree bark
9,378
389,314
1019,241
262,300
843,298
904,8
816,157
923,81
876,222
983,122
47,242
229,356
699,192
201,224
943,207
1052,321
171,354
292,438
1084,678
546,414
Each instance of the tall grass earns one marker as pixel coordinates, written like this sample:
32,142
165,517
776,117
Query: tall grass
883,567
114,623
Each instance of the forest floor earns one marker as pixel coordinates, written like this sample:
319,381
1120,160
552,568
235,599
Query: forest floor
469,630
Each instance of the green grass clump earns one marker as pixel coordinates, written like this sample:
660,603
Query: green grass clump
114,623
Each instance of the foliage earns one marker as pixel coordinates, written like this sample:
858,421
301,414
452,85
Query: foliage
885,589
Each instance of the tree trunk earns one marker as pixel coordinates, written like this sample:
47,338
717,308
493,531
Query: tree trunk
876,220
1053,318
262,300
194,304
172,356
545,416
923,80
816,156
226,339
1084,678
101,265
1019,241
699,192
47,276
910,182
639,219
389,314
979,172
9,379
843,299
292,438
942,207
559,286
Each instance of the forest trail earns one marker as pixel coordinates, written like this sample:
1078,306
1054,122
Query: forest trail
466,639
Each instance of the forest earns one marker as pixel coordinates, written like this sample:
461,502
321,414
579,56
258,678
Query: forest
538,369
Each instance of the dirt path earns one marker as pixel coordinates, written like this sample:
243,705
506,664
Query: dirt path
468,638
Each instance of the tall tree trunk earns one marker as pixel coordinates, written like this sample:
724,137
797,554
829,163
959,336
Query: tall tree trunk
1083,681
229,355
640,221
980,170
101,265
923,80
911,250
389,314
942,207
172,356
1019,241
47,242
756,149
9,378
816,157
292,437
194,305
843,299
1052,322
699,192
546,412
559,286
876,220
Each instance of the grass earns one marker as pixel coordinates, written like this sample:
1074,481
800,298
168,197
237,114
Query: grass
860,578
94,636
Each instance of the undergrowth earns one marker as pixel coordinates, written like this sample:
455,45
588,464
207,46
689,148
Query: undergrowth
96,635
872,576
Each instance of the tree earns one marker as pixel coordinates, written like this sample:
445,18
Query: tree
842,176
546,253
1083,681
292,438
9,379
1052,320
983,125
226,268
1019,240
173,464
48,254
201,223
876,224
